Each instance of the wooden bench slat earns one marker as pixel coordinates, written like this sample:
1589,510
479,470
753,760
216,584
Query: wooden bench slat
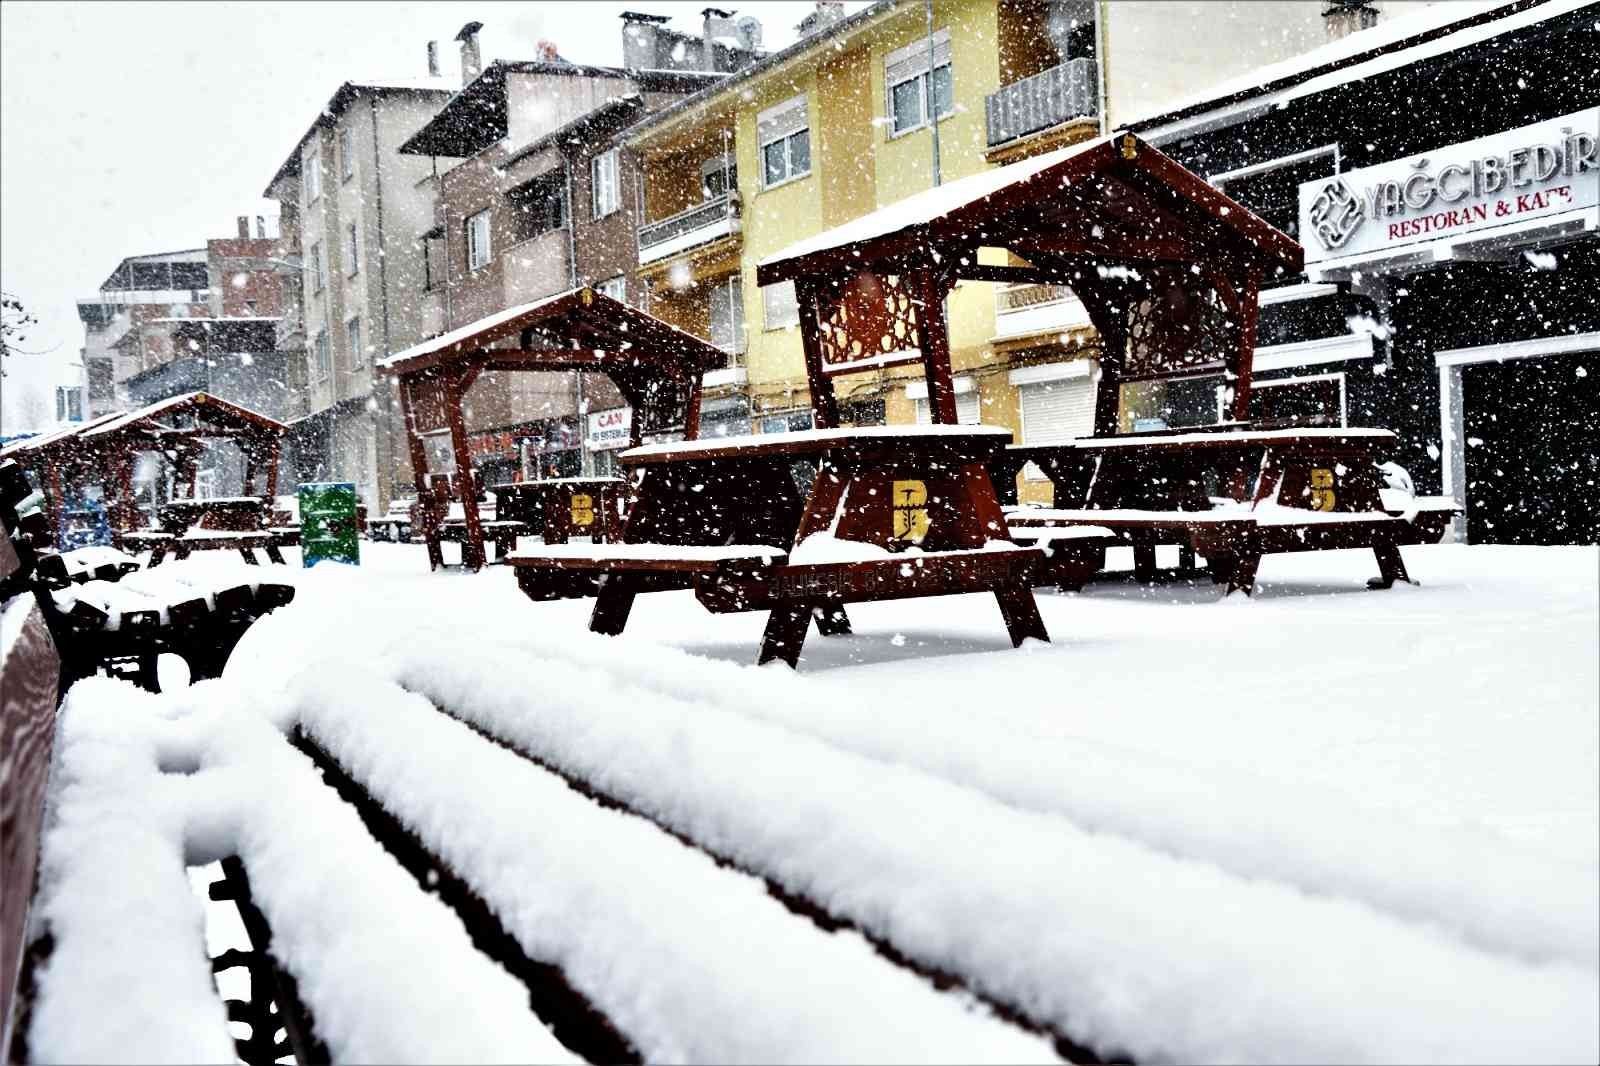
583,555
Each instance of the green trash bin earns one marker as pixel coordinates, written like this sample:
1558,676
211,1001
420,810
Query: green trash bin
328,528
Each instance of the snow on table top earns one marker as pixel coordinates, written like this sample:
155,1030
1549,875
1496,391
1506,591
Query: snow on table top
1264,436
845,435
579,549
129,981
690,961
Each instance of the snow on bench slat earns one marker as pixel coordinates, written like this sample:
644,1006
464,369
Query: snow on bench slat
1247,437
1128,514
840,437
694,963
1516,901
386,970
1119,945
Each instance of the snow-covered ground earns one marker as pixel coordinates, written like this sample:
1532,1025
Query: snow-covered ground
1323,823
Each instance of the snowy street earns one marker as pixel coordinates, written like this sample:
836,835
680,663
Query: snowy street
1178,796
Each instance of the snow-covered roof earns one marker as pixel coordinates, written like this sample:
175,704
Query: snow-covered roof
929,204
55,436
609,324
175,403
1433,30
341,98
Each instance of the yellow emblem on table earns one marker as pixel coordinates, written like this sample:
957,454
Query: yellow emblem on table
910,511
1322,497
582,509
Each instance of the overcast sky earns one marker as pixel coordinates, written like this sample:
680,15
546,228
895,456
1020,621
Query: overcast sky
134,128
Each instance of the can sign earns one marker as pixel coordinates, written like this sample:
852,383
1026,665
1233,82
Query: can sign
328,530
610,429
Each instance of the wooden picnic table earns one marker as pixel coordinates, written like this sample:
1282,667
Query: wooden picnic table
559,509
1232,496
893,513
232,523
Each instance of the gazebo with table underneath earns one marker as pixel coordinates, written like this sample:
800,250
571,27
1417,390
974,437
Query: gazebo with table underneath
656,366
105,451
1169,269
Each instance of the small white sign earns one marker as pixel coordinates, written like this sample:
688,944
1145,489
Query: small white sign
609,430
1547,169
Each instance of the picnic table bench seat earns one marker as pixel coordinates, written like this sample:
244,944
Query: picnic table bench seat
85,564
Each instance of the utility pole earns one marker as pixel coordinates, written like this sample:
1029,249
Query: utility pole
933,107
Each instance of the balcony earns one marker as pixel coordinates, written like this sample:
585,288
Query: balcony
1026,310
700,224
1066,91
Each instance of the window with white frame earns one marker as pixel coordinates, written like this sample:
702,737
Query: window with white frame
347,156
313,174
316,267
727,314
783,134
322,357
969,411
616,288
358,355
352,251
478,251
780,309
907,81
605,186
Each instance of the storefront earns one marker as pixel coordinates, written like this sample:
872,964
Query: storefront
1447,194
526,451
609,433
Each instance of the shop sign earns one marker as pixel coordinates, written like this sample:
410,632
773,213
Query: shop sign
1549,168
609,430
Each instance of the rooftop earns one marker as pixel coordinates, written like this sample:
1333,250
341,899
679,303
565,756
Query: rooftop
343,97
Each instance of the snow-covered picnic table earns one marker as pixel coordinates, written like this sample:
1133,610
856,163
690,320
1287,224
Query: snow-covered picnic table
506,841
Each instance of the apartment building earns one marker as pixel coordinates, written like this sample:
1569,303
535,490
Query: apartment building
141,289
530,199
351,210
868,109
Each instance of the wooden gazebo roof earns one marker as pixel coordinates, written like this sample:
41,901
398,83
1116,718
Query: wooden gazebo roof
656,366
220,418
1167,266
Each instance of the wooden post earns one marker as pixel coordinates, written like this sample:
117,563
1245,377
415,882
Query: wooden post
419,475
1244,358
933,337
472,546
691,417
54,503
273,456
127,506
824,408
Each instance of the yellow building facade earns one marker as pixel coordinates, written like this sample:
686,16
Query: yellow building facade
833,129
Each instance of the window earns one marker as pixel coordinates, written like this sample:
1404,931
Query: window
316,268
347,156
538,206
352,250
69,403
616,288
1309,401
717,175
905,73
727,314
478,252
604,184
784,135
313,174
358,355
779,306
968,410
322,364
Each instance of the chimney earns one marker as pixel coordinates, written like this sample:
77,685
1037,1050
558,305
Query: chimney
471,57
244,227
827,12
718,26
261,228
433,59
1344,17
639,41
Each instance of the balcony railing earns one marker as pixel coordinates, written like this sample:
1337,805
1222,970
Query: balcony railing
1066,91
698,225
1023,310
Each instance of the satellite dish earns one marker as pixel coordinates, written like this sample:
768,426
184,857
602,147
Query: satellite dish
749,30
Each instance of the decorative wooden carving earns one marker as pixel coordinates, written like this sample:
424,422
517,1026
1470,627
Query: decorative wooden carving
872,316
1178,327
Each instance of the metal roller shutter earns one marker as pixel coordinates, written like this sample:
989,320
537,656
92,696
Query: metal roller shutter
968,410
1057,411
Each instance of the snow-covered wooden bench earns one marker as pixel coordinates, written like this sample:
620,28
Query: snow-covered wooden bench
245,542
96,562
1314,489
